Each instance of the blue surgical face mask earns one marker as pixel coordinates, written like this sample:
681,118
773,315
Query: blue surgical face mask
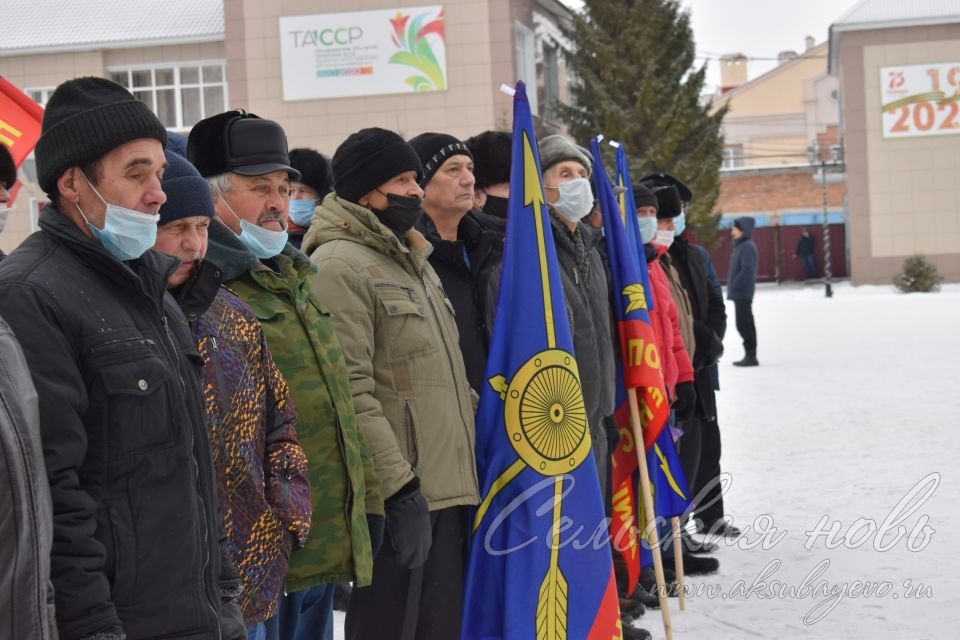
679,224
263,243
4,212
126,234
648,229
576,199
301,211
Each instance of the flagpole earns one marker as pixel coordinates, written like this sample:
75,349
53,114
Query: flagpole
678,561
648,511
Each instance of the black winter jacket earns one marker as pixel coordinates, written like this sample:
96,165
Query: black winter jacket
26,527
465,267
136,530
709,320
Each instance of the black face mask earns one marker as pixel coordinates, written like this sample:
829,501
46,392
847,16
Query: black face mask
496,206
400,214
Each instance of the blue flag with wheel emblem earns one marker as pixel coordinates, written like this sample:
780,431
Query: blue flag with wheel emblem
539,561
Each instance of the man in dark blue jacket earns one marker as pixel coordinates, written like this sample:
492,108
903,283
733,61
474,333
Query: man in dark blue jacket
741,282
136,533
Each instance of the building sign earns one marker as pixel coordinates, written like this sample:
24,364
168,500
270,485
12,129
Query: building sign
920,100
337,55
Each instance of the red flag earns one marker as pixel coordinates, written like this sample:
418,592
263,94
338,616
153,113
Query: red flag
20,119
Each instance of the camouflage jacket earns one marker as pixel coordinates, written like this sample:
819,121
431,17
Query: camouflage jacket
262,484
344,486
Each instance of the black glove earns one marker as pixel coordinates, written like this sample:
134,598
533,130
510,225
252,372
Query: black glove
408,523
686,400
232,626
709,346
375,527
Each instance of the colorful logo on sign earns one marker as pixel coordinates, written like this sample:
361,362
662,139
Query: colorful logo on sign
415,49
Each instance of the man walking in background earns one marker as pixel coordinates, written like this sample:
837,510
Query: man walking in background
741,282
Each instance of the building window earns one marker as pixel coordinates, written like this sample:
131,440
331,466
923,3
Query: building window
551,82
40,95
181,95
733,156
527,62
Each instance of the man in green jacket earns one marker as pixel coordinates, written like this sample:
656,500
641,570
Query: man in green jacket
244,158
409,384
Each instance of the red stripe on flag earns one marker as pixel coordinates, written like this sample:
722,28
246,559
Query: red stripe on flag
606,625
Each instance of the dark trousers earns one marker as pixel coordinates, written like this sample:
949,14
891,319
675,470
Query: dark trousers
303,615
809,269
689,448
709,472
745,326
423,603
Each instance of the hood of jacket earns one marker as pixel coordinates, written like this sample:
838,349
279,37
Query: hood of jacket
747,225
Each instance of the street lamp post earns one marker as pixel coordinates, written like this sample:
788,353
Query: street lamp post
813,154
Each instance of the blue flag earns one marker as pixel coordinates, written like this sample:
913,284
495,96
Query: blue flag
539,563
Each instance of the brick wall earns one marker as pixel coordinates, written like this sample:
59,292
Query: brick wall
772,192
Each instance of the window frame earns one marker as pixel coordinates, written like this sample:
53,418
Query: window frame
177,86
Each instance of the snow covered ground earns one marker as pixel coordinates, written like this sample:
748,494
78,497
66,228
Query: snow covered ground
854,406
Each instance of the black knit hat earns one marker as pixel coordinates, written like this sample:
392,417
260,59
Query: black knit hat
665,179
315,169
188,194
669,204
368,158
86,118
239,142
8,172
643,197
492,152
434,149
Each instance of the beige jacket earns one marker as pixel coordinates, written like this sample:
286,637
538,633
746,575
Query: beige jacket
680,298
400,340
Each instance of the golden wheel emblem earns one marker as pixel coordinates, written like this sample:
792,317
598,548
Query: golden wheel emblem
544,413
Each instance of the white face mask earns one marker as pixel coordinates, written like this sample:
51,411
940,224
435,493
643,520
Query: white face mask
648,229
4,212
576,199
664,237
126,234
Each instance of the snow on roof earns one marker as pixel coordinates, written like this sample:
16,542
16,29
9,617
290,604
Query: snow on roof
870,14
35,26
886,14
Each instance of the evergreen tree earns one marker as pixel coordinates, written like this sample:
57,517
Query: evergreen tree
635,82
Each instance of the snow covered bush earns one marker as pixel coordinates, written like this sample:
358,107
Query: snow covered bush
918,274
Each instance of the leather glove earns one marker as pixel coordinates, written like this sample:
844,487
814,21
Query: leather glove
686,400
408,523
375,527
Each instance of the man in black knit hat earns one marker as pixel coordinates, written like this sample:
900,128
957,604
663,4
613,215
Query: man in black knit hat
315,183
136,549
409,385
464,253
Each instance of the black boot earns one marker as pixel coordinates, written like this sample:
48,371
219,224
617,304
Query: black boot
648,599
630,609
690,545
749,360
699,565
631,632
718,528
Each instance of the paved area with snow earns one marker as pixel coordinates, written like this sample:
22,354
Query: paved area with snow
849,425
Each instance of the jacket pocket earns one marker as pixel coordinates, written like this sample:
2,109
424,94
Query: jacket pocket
137,408
411,437
409,332
124,560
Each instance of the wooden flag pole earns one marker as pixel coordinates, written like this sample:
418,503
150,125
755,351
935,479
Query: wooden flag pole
678,561
653,538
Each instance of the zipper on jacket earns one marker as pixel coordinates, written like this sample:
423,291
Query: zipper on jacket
196,469
286,472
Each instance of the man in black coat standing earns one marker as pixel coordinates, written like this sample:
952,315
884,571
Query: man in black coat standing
741,283
136,534
465,253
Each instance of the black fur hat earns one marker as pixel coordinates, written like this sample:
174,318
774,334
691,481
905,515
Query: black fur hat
492,152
